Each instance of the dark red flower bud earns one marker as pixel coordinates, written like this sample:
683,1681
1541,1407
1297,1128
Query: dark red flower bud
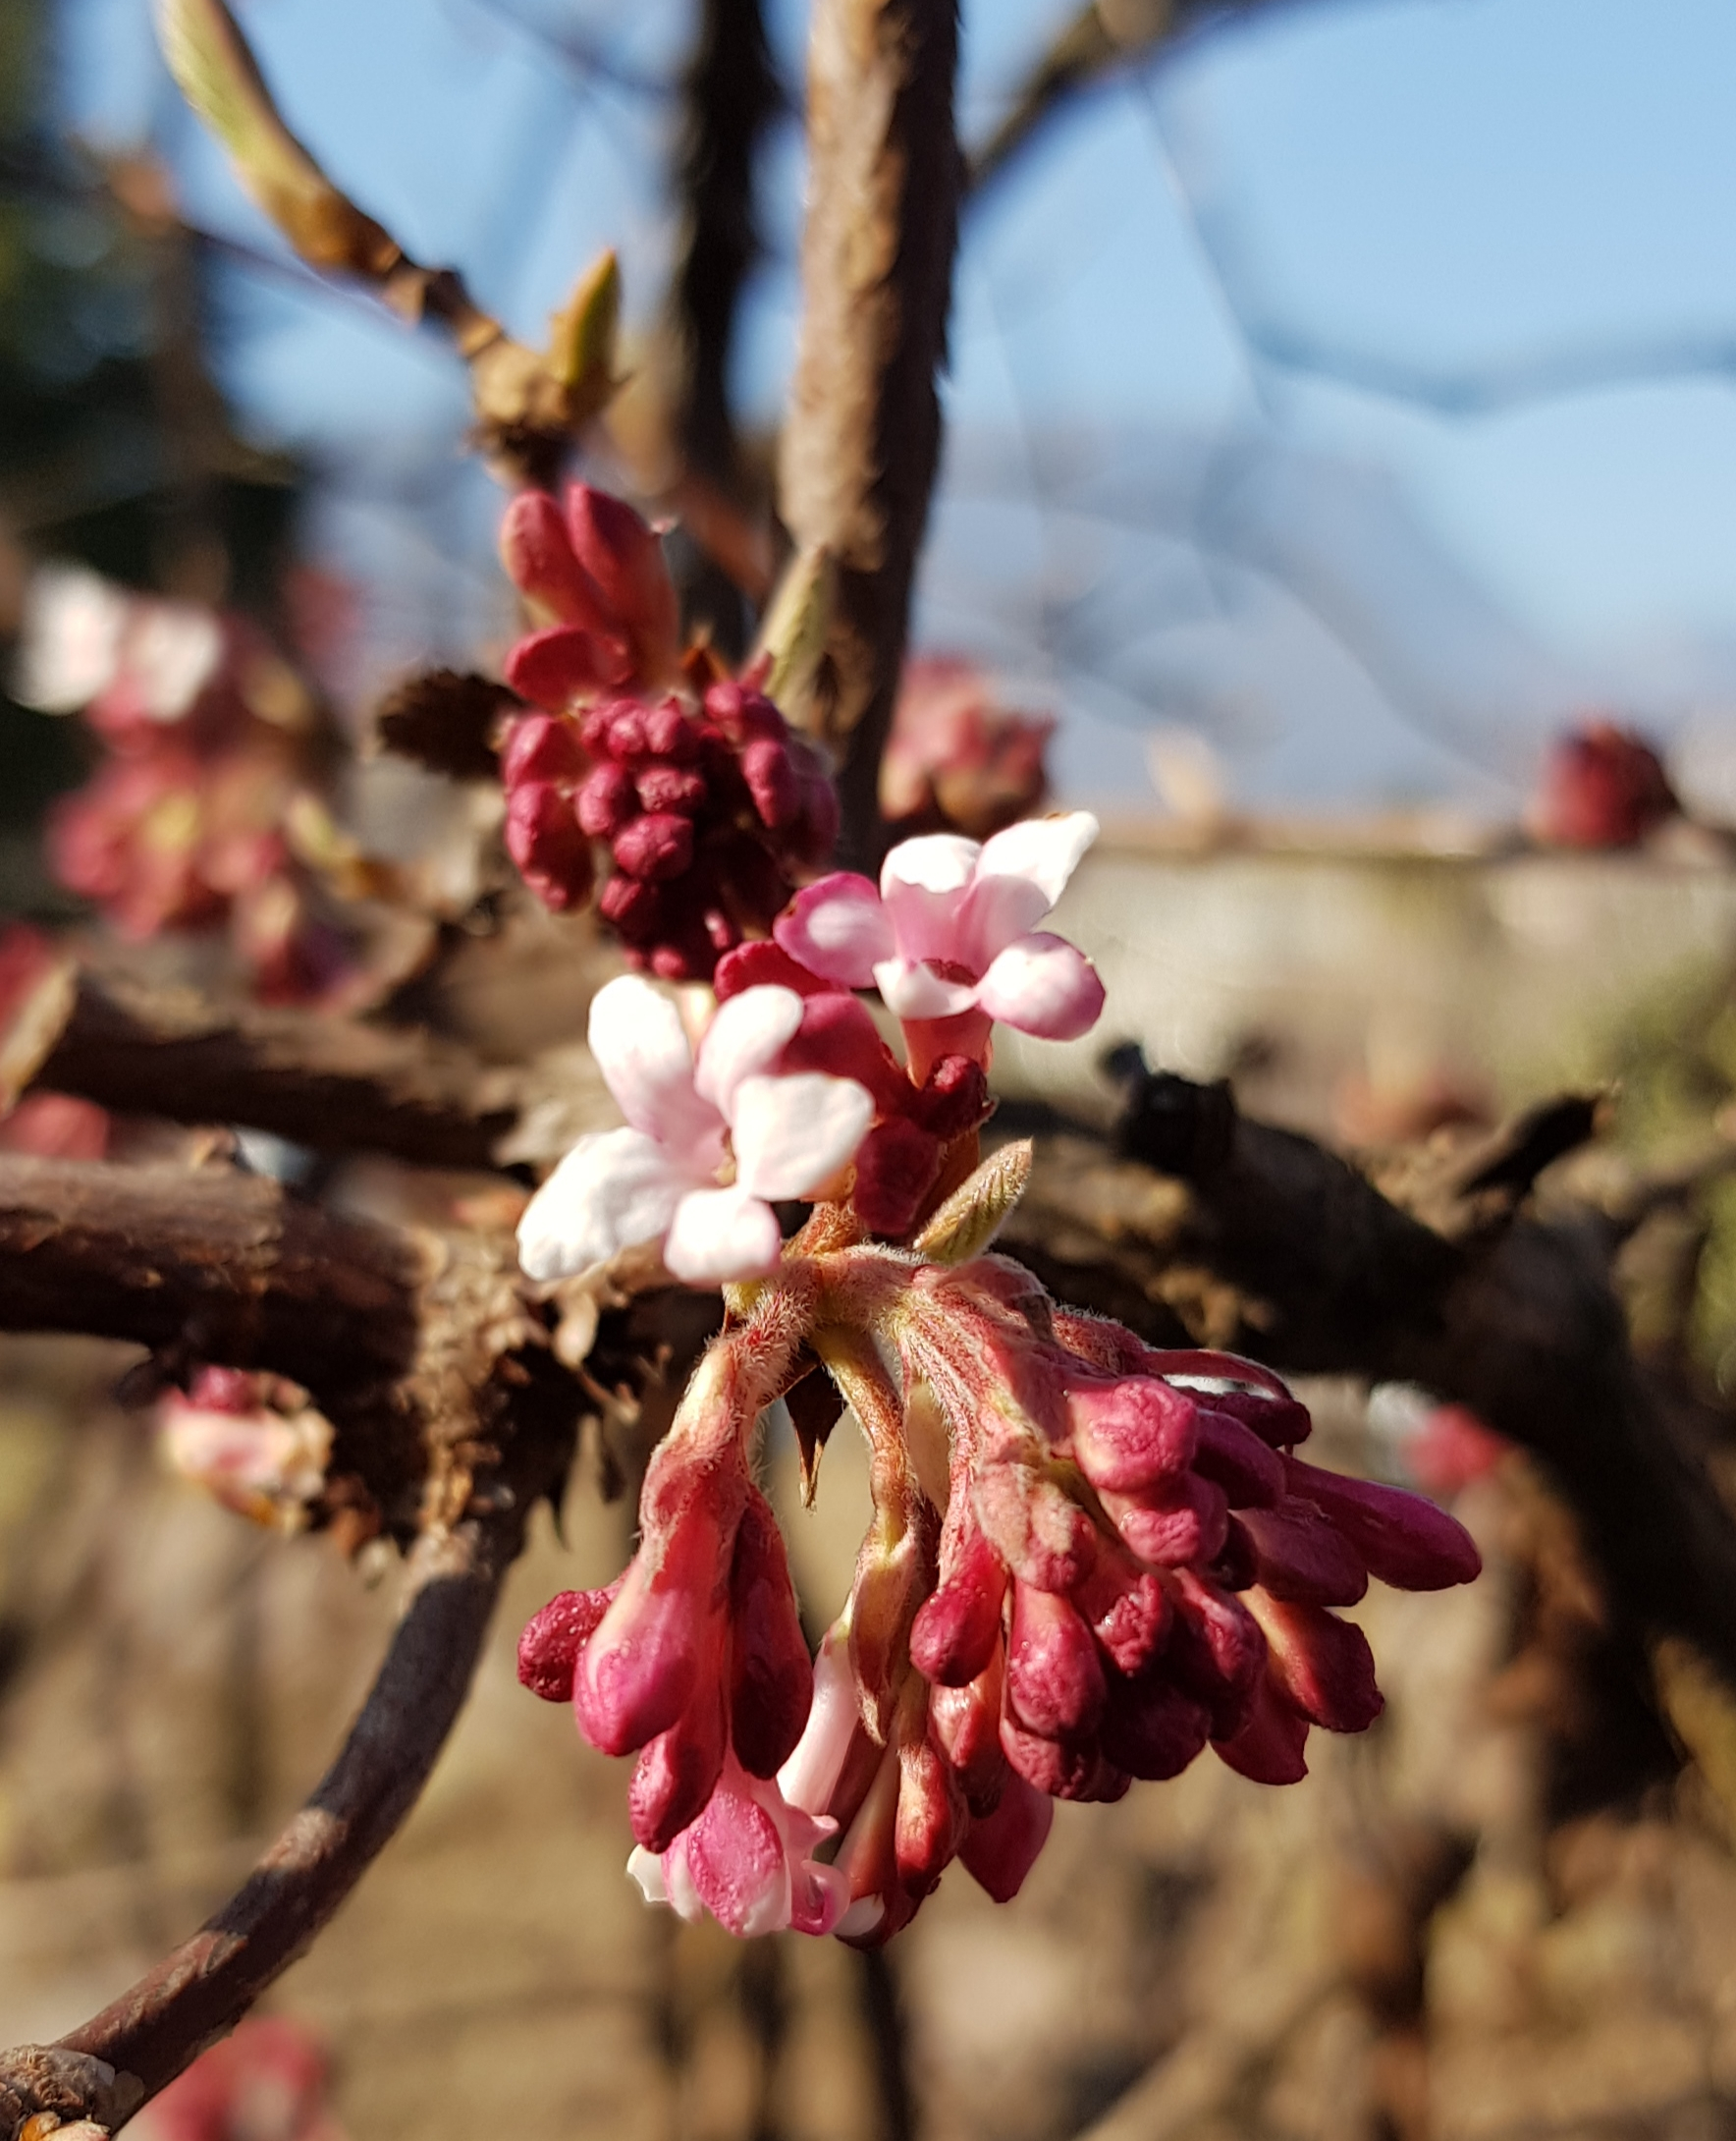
772,1678
1215,1652
1323,1664
966,1725
543,837
1152,1728
954,1099
957,1627
1403,1539
1299,1555
554,667
670,735
1001,1848
897,1166
553,1636
1268,1745
672,787
1055,1683
607,802
1128,1611
656,847
743,714
536,550
633,907
624,561
677,1773
1064,1771
626,735
1250,1472
1279,1421
767,964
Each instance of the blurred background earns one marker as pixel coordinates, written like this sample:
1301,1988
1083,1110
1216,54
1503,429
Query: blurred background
1340,416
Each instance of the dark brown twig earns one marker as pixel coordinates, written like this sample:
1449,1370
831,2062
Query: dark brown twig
862,441
200,1992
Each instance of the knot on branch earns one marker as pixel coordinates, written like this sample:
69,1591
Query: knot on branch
44,2088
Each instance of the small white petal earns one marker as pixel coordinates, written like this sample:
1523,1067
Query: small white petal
720,1235
640,1047
1045,851
911,991
610,1191
70,643
925,885
746,1035
647,1871
792,1135
172,651
1044,986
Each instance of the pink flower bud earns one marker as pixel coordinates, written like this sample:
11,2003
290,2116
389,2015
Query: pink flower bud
1184,1520
771,782
957,1630
1130,1433
607,802
549,1648
766,964
837,1034
661,1632
552,667
1269,1746
1404,1540
543,837
1127,1609
623,560
672,787
1063,1770
1250,1472
537,553
670,735
1042,1534
931,1818
1323,1664
541,747
678,1771
772,1679
1152,1728
966,1725
1001,1848
656,847
1298,1555
1054,1684
743,714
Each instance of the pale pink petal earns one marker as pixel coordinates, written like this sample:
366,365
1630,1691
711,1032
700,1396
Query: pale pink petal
924,884
171,652
1046,851
810,1776
819,1896
792,1135
741,1870
863,1915
610,1191
837,929
643,1052
720,1235
745,1036
913,991
1045,986
69,644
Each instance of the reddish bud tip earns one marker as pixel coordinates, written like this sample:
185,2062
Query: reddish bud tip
1131,1432
1269,1746
1001,1848
1405,1540
549,1648
656,847
958,1629
541,747
1250,1472
1055,1683
772,1678
1298,1555
544,840
1152,1728
607,801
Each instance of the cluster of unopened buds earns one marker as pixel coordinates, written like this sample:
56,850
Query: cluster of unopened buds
1088,1561
184,823
674,795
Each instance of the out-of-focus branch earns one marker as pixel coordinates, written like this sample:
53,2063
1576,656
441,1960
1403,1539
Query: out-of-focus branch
202,1989
1258,1239
326,1082
862,441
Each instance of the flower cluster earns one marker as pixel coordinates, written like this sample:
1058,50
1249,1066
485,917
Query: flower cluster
957,761
691,786
183,824
1601,785
252,1440
1089,1562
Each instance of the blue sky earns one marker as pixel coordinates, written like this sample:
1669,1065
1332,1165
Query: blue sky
1409,327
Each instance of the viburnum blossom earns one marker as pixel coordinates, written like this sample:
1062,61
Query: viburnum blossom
948,932
1088,1561
252,1440
658,1177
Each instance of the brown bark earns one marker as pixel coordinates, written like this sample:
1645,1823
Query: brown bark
862,442
317,1080
1235,1233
